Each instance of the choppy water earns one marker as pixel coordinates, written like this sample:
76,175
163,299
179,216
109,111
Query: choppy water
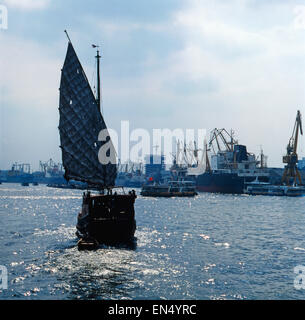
209,247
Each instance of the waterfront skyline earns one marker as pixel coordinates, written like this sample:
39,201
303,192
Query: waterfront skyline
174,64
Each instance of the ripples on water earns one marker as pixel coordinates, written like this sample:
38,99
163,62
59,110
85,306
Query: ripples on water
209,247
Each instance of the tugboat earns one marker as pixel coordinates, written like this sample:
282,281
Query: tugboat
89,156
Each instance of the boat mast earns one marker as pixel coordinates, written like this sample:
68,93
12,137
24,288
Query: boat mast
66,32
98,98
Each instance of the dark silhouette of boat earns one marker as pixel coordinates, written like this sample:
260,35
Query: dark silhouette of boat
108,216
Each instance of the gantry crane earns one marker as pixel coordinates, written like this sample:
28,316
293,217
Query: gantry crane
291,173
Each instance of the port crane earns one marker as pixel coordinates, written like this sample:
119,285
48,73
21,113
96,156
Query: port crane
224,140
291,173
224,143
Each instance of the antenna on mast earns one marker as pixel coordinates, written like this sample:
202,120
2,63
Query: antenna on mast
68,36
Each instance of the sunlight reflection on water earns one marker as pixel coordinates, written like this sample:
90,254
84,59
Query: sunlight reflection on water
210,247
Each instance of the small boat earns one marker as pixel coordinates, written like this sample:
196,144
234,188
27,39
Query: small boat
25,184
35,183
170,189
89,157
267,189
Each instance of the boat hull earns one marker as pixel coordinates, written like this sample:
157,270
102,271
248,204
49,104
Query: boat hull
168,194
276,191
107,218
220,183
170,189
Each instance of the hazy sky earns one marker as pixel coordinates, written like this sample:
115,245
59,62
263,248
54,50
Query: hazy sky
236,64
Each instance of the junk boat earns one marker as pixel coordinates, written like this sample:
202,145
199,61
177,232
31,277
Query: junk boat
170,189
89,156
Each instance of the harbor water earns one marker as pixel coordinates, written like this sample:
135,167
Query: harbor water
212,246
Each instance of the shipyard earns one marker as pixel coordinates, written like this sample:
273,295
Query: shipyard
152,153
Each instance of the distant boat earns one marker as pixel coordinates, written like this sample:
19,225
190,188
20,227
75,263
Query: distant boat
106,217
274,190
35,183
25,184
170,189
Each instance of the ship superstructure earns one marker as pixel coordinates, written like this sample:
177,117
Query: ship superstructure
228,165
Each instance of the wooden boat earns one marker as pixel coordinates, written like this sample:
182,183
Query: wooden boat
107,216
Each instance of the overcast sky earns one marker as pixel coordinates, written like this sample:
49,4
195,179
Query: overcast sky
236,64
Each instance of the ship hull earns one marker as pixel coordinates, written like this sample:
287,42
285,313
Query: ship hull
220,183
107,218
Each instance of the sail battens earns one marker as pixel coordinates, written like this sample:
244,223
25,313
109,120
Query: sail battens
79,126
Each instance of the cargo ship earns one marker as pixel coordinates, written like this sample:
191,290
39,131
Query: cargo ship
229,167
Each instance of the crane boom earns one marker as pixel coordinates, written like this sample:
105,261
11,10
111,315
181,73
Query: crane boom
298,126
291,173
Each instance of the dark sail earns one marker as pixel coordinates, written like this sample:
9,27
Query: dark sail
80,125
